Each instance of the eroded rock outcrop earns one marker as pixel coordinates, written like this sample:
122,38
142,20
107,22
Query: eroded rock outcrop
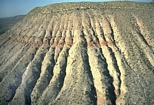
80,53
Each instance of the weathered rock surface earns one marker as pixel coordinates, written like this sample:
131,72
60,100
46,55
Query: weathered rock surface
80,54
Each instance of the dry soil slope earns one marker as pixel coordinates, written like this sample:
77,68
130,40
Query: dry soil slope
80,54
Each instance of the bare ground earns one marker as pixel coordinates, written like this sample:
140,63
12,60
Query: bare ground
80,54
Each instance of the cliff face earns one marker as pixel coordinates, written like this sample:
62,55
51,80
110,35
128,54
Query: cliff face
80,53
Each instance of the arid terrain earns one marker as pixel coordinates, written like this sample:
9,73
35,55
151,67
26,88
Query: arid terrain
80,54
7,23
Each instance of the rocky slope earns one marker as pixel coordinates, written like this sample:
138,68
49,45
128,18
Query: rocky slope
80,54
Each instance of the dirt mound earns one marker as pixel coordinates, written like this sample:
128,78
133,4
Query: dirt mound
80,53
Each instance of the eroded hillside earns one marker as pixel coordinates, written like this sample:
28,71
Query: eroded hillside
80,54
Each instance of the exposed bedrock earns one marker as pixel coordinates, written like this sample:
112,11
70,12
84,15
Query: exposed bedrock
80,54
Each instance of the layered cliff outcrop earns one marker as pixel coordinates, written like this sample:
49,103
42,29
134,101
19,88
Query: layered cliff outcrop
80,54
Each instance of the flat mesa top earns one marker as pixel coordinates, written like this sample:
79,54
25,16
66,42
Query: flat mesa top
62,7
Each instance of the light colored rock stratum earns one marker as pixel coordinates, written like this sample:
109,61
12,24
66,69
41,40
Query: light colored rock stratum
80,54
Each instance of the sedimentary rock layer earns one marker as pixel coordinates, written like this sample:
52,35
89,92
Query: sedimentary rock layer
80,53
